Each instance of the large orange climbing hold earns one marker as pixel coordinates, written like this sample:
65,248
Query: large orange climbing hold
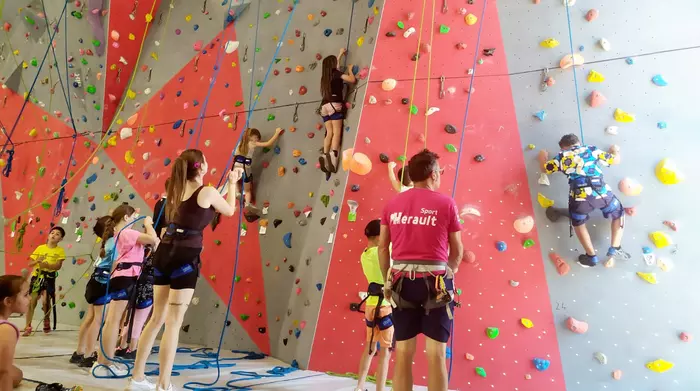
132,120
280,171
568,61
596,99
299,68
359,163
562,267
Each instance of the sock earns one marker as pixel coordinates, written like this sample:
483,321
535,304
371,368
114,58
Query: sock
335,153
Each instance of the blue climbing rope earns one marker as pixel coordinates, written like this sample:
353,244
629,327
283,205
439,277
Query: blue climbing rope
459,156
38,73
573,68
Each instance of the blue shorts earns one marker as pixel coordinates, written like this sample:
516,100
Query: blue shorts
608,204
409,322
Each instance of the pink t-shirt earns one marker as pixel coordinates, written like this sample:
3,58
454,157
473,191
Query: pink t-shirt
128,251
420,221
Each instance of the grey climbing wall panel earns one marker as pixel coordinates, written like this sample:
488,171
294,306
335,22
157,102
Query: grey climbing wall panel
631,322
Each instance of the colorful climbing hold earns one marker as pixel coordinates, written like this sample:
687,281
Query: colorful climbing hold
549,43
576,326
541,364
668,173
659,366
648,277
492,332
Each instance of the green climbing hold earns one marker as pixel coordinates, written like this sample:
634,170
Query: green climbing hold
400,25
77,14
459,291
244,317
239,102
257,50
217,242
91,89
401,158
35,100
29,20
444,29
258,83
237,279
45,118
76,200
30,195
277,60
480,371
528,243
492,332
84,61
266,15
96,43
71,305
450,148
46,205
97,106
34,62
42,171
325,199
271,117
86,144
266,150
56,135
414,109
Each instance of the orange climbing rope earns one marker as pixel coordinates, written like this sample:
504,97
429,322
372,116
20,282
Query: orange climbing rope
427,89
413,91
149,20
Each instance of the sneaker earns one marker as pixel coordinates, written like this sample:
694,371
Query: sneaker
146,384
120,352
333,162
323,162
619,253
170,388
107,371
76,358
252,209
129,355
587,261
88,361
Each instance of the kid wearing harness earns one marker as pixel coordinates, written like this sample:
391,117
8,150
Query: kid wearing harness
588,192
423,229
380,327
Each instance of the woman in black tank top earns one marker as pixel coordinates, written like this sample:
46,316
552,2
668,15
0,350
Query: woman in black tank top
189,208
333,110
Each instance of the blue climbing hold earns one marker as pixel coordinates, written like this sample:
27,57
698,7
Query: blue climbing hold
355,188
659,81
302,161
277,150
501,246
74,261
81,314
297,333
335,209
92,178
541,364
327,32
629,61
540,115
178,93
581,48
177,124
370,3
84,118
72,281
195,27
646,250
226,85
448,353
166,162
295,364
195,102
319,286
355,69
662,125
204,51
287,239
132,196
93,207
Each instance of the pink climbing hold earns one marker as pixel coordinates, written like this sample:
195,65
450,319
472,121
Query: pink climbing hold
197,46
685,337
596,99
592,15
576,326
320,250
425,47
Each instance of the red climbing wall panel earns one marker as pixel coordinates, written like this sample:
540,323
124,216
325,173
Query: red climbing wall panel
496,187
178,100
24,178
131,32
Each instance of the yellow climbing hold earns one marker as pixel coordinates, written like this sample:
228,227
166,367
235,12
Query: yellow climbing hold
129,157
667,172
595,77
113,67
32,132
3,163
132,37
648,277
119,121
376,10
544,201
526,322
16,52
154,56
130,94
660,239
112,141
188,18
659,366
360,41
623,116
25,65
549,43
470,19
107,197
149,18
151,129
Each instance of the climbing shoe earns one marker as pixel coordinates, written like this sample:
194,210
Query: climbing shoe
586,260
88,361
57,387
129,355
120,352
323,161
76,358
332,162
619,253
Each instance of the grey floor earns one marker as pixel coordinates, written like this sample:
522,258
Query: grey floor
44,358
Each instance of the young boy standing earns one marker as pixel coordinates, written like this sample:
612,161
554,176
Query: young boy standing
380,327
47,260
588,192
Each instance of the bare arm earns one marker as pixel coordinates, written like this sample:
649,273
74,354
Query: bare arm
383,249
392,178
51,266
272,140
8,340
348,76
456,250
615,152
150,237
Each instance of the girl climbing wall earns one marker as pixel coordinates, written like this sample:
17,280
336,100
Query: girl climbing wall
96,295
190,207
333,109
250,141
130,245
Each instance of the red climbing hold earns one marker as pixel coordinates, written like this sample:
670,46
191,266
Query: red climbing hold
275,72
310,135
302,90
287,70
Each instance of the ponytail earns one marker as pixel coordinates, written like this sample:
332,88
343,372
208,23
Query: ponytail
186,167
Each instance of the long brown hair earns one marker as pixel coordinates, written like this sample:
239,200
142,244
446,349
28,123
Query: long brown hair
330,65
243,148
185,168
104,226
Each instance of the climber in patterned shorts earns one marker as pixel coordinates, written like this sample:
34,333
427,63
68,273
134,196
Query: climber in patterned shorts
588,192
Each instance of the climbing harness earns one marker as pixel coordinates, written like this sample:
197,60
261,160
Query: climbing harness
382,322
596,185
439,296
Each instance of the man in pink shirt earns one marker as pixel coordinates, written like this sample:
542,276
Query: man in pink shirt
422,226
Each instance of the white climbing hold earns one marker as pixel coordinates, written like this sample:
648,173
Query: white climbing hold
146,155
602,358
408,32
469,210
231,46
389,84
123,60
605,44
543,180
372,100
612,130
367,140
291,92
147,91
568,3
125,133
157,43
226,118
432,110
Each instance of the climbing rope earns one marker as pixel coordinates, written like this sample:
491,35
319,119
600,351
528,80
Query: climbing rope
427,89
573,69
459,156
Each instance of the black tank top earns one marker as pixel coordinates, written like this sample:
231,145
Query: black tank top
337,85
193,218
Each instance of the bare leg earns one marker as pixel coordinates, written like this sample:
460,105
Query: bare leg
437,369
16,374
616,232
365,362
178,302
110,331
94,330
337,133
46,308
585,238
403,369
32,307
329,136
383,368
247,187
84,327
150,332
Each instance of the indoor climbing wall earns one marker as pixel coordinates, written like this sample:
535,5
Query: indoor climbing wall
646,73
504,326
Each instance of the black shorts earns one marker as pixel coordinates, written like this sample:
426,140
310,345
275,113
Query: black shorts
608,204
177,266
43,282
96,293
121,288
409,322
